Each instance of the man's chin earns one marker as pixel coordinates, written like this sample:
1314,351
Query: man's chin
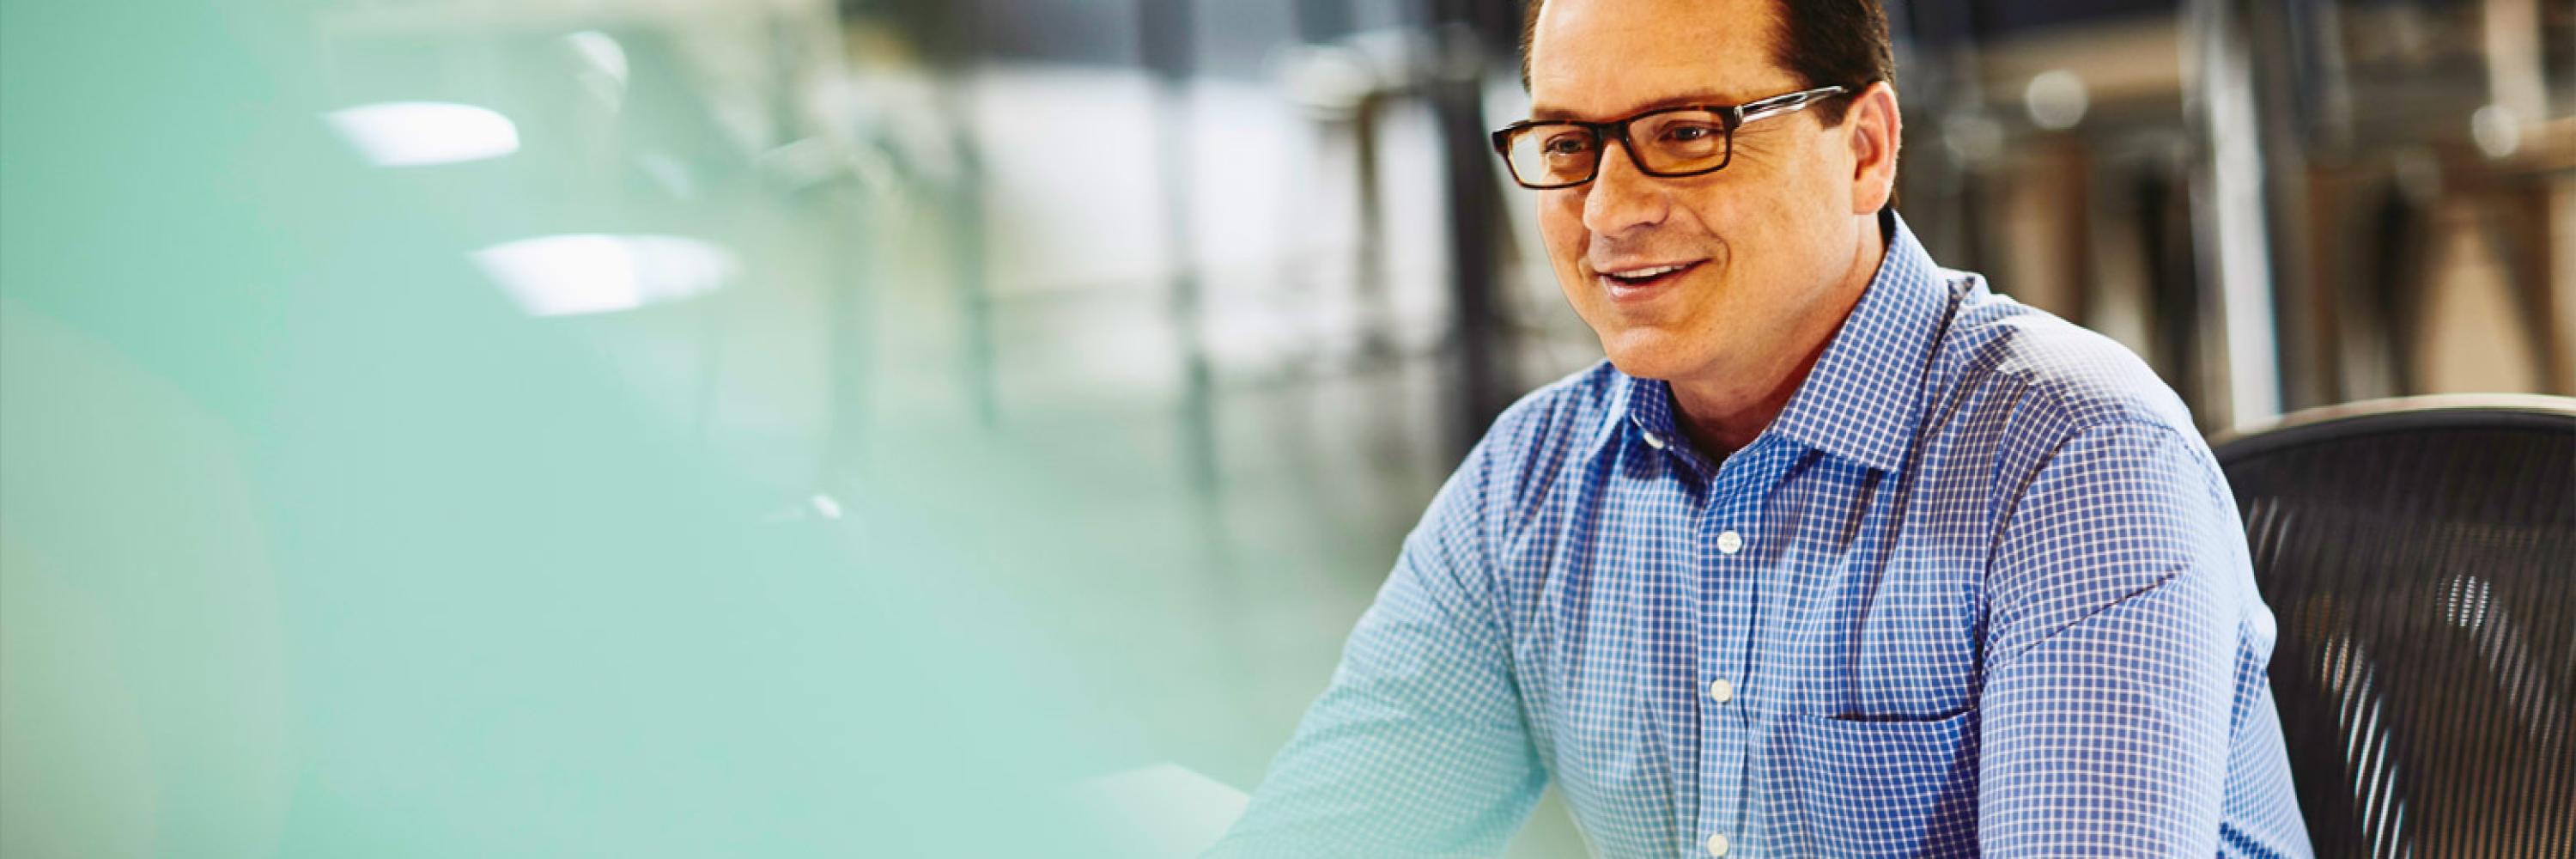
1650,356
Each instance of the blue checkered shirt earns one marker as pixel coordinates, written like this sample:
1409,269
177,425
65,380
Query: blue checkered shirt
1980,588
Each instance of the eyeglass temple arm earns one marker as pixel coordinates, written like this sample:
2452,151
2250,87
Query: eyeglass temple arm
1790,103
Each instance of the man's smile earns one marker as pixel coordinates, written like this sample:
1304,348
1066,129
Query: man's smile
1634,282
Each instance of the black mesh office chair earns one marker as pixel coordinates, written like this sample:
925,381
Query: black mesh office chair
2420,556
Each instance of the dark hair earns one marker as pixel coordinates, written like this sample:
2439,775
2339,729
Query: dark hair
1823,42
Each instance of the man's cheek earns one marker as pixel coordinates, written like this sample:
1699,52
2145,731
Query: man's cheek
1565,249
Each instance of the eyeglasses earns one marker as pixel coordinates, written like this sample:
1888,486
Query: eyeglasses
1668,142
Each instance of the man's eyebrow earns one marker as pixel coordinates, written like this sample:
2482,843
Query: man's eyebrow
1546,113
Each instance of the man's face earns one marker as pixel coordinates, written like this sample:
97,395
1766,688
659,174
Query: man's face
1762,243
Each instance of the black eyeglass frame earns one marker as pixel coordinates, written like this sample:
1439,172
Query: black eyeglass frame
1731,116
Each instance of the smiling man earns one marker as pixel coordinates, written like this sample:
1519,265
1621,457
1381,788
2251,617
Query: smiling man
1839,554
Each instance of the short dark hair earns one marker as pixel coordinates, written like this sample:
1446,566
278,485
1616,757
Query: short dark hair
1823,42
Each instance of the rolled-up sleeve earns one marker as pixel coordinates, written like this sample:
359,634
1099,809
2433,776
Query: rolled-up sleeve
1419,747
2116,601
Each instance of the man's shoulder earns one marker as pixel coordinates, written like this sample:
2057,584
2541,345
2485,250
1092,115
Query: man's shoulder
2005,365
1542,439
1569,411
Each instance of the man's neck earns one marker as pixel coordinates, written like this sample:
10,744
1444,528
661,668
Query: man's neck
1722,415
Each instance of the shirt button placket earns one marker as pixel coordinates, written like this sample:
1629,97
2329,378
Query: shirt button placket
1722,729
1725,724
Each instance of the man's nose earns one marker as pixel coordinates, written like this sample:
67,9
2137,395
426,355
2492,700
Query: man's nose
1621,197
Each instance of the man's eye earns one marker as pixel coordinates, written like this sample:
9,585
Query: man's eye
1566,144
1688,133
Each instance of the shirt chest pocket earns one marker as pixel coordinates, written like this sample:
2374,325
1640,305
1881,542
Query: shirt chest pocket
1825,786
1862,640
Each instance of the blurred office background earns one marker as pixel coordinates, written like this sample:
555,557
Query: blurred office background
1139,330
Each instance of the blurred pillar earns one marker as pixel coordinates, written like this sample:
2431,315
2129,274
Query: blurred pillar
2292,90
1936,52
945,35
1165,30
1164,36
1478,329
2228,212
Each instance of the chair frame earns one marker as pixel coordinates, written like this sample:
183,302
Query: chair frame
2394,414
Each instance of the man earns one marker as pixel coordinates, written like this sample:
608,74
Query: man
1839,554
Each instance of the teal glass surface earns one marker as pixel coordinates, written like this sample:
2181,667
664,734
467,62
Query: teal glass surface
433,430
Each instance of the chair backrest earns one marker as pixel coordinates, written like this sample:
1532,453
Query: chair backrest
2420,557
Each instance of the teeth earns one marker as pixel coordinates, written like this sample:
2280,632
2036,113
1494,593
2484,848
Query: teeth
1643,273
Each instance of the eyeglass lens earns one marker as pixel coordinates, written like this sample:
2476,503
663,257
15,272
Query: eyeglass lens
1673,142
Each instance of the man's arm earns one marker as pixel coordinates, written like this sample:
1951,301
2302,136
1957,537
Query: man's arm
1418,748
2117,590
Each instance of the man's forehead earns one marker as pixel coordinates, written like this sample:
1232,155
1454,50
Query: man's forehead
1606,58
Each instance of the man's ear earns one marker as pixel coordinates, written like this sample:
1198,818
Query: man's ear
1874,129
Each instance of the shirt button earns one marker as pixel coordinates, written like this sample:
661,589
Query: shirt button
1730,542
1717,844
1654,441
1721,691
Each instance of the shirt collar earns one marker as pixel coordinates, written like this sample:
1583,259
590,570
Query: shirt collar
1861,399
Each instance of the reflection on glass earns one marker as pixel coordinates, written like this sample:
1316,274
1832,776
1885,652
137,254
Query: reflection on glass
414,133
570,275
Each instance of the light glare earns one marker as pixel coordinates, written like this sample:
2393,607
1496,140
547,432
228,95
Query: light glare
570,275
414,133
